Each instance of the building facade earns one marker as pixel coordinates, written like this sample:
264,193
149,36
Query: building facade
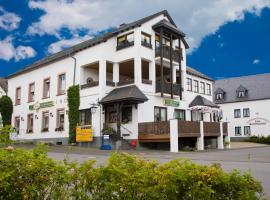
126,77
245,102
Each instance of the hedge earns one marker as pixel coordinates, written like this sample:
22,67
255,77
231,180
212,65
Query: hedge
30,174
259,139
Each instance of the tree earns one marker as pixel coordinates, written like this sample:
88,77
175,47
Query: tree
6,109
73,113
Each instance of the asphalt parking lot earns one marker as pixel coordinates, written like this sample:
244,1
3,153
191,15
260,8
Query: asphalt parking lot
255,159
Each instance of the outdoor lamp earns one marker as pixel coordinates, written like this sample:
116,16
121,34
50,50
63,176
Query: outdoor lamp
51,115
93,109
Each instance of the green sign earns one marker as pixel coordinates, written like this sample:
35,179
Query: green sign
171,102
37,105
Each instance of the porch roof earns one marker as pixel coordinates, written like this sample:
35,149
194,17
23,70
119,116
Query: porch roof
201,101
124,94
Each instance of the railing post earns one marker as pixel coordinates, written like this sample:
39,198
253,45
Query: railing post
174,135
200,139
220,138
228,138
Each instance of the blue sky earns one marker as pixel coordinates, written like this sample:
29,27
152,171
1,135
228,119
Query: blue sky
227,39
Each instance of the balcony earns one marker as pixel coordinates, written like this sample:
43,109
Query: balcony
124,45
167,88
166,53
89,85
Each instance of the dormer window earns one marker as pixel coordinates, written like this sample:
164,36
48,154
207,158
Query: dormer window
241,92
219,96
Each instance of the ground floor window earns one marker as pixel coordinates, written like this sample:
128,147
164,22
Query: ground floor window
160,114
60,120
237,131
126,114
247,131
180,114
17,124
85,117
30,123
45,121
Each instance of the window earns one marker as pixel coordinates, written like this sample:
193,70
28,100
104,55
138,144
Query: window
125,41
165,41
202,87
31,92
241,94
219,96
61,84
146,40
17,124
160,114
60,123
196,115
85,117
189,84
247,131
180,114
18,96
237,131
45,121
30,123
127,114
246,112
237,113
46,88
196,86
208,89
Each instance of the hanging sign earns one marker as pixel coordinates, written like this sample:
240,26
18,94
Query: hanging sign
38,105
84,134
171,102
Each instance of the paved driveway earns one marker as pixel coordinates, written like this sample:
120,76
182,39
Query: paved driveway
256,159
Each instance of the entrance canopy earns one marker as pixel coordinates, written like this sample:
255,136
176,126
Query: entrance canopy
200,102
131,94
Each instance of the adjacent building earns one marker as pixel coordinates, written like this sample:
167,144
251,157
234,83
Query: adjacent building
245,102
3,87
132,75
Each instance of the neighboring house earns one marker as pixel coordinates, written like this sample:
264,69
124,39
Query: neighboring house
3,87
245,102
125,79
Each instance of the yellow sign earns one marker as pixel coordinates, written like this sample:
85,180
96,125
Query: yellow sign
84,134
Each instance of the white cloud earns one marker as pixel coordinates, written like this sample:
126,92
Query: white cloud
196,18
256,61
8,21
8,51
64,43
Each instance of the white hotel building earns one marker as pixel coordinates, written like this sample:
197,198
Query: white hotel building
245,102
124,78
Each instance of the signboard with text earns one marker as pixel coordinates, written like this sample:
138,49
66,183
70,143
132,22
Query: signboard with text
84,134
171,102
38,105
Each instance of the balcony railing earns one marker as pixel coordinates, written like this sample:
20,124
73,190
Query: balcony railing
89,85
124,45
166,53
176,89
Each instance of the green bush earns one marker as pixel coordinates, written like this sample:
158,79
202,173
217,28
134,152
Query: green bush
73,112
4,135
6,109
32,175
259,139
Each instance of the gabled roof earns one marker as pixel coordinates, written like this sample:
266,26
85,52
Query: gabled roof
89,43
195,72
124,94
168,25
258,87
4,84
201,101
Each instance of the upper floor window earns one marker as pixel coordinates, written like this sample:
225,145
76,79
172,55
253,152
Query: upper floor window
18,96
246,112
237,113
125,41
30,123
160,114
208,89
146,40
31,92
189,84
196,86
61,84
46,88
202,87
219,96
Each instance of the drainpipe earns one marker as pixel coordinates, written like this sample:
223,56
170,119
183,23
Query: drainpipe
75,64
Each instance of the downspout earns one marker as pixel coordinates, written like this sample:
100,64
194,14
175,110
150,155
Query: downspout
75,66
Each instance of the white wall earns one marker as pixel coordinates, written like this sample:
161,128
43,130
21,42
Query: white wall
258,109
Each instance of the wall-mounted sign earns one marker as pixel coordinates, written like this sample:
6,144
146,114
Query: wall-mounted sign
258,121
84,134
38,105
171,102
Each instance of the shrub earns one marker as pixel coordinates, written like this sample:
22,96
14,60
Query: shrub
6,109
259,139
32,175
4,135
73,110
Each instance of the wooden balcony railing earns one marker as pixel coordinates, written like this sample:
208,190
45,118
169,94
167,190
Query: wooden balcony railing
166,53
167,88
188,128
211,128
155,128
